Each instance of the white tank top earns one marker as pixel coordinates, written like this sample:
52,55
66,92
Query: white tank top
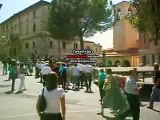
53,99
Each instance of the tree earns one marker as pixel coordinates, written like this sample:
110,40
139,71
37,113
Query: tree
146,17
71,18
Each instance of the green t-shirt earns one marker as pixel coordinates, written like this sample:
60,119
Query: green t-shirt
102,76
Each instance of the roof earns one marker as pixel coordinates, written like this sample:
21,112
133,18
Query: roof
129,51
39,3
88,41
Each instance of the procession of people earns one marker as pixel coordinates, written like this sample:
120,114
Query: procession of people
118,93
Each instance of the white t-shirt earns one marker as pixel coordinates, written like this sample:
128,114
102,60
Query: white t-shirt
75,71
46,70
53,99
88,69
131,85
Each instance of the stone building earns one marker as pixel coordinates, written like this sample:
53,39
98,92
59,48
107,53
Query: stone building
25,33
125,37
148,51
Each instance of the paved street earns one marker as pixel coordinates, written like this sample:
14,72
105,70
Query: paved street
80,105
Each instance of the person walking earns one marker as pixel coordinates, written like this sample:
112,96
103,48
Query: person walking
114,97
132,92
21,74
13,74
56,69
82,74
44,72
68,76
156,87
63,75
88,77
75,76
4,67
55,100
101,79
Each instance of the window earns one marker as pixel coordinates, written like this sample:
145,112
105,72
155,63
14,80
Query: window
75,46
51,44
26,45
7,28
144,60
158,59
20,47
34,14
119,14
96,50
33,44
144,39
20,30
26,29
153,59
88,47
3,29
63,45
34,27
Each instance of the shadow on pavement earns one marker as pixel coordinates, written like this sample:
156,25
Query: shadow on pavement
108,118
6,80
154,110
9,92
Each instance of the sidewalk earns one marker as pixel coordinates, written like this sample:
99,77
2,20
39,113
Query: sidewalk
80,105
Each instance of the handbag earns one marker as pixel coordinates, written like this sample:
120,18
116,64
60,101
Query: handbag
42,103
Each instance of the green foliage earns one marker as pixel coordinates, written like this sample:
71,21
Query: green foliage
70,18
147,17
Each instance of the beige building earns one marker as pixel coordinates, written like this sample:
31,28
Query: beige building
125,37
148,51
25,33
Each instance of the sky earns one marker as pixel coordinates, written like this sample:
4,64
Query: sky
10,7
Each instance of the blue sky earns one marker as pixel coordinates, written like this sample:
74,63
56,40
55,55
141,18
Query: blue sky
11,7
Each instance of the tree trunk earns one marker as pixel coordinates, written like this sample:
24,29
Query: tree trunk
81,41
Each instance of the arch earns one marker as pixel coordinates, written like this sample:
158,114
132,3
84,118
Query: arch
75,46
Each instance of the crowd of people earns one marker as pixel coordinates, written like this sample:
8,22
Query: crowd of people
117,92
78,75
121,93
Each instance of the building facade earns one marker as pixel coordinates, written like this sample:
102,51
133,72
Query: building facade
125,36
148,51
26,33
